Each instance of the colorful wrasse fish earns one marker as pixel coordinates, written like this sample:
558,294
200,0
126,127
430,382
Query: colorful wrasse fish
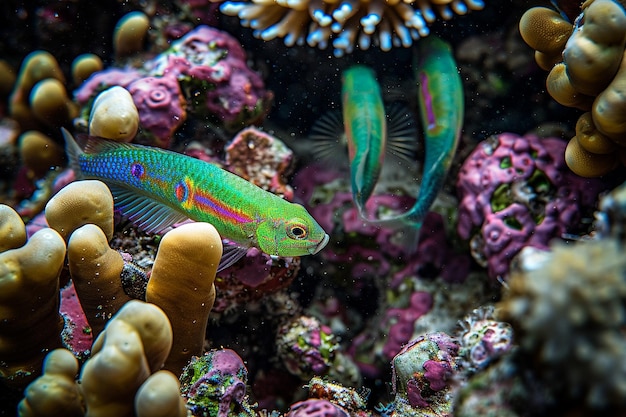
367,130
156,188
441,102
365,126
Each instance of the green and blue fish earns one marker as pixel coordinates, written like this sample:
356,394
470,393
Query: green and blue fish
441,101
365,127
441,104
366,130
156,188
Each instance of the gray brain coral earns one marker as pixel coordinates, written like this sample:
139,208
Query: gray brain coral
569,315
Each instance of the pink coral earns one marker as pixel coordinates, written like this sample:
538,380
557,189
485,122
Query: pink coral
161,106
316,408
401,321
516,191
211,65
422,371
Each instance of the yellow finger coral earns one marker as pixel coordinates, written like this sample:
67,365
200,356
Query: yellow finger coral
96,271
12,229
591,77
561,89
184,269
609,108
79,203
84,65
344,25
588,164
133,345
39,153
114,115
37,66
30,323
594,51
120,379
545,31
159,396
591,139
50,103
55,393
130,33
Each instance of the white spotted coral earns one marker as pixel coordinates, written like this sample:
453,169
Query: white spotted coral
344,24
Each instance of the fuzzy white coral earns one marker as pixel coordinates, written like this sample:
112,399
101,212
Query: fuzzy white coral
344,24
569,313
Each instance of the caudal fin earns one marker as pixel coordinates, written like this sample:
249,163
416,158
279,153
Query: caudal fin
73,151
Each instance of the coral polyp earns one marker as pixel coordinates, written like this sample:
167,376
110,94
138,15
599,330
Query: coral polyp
346,25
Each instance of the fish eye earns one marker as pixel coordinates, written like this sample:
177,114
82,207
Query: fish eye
297,230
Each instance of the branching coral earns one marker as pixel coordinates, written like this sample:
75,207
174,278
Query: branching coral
184,269
29,285
121,377
345,24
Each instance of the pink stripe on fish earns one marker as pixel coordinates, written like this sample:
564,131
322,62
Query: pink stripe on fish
428,101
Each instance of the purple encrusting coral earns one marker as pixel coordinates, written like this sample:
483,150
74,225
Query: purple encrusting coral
421,374
306,347
204,73
161,106
215,384
211,67
369,248
516,191
315,407
483,339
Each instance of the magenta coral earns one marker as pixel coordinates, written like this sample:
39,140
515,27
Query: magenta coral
262,159
422,371
204,72
516,191
400,322
77,336
215,384
211,65
306,347
316,408
161,106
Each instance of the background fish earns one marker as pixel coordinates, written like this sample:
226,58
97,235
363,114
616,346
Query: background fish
156,188
441,104
367,130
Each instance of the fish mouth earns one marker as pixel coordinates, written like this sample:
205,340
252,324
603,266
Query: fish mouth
320,245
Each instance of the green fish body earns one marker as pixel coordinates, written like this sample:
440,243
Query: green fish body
156,188
365,127
441,104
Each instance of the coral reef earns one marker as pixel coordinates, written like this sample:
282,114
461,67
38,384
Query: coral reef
585,60
348,25
422,371
568,308
114,115
516,191
30,323
120,378
189,253
203,73
214,384
149,327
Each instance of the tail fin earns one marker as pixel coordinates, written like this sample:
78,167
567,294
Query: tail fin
407,227
73,151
